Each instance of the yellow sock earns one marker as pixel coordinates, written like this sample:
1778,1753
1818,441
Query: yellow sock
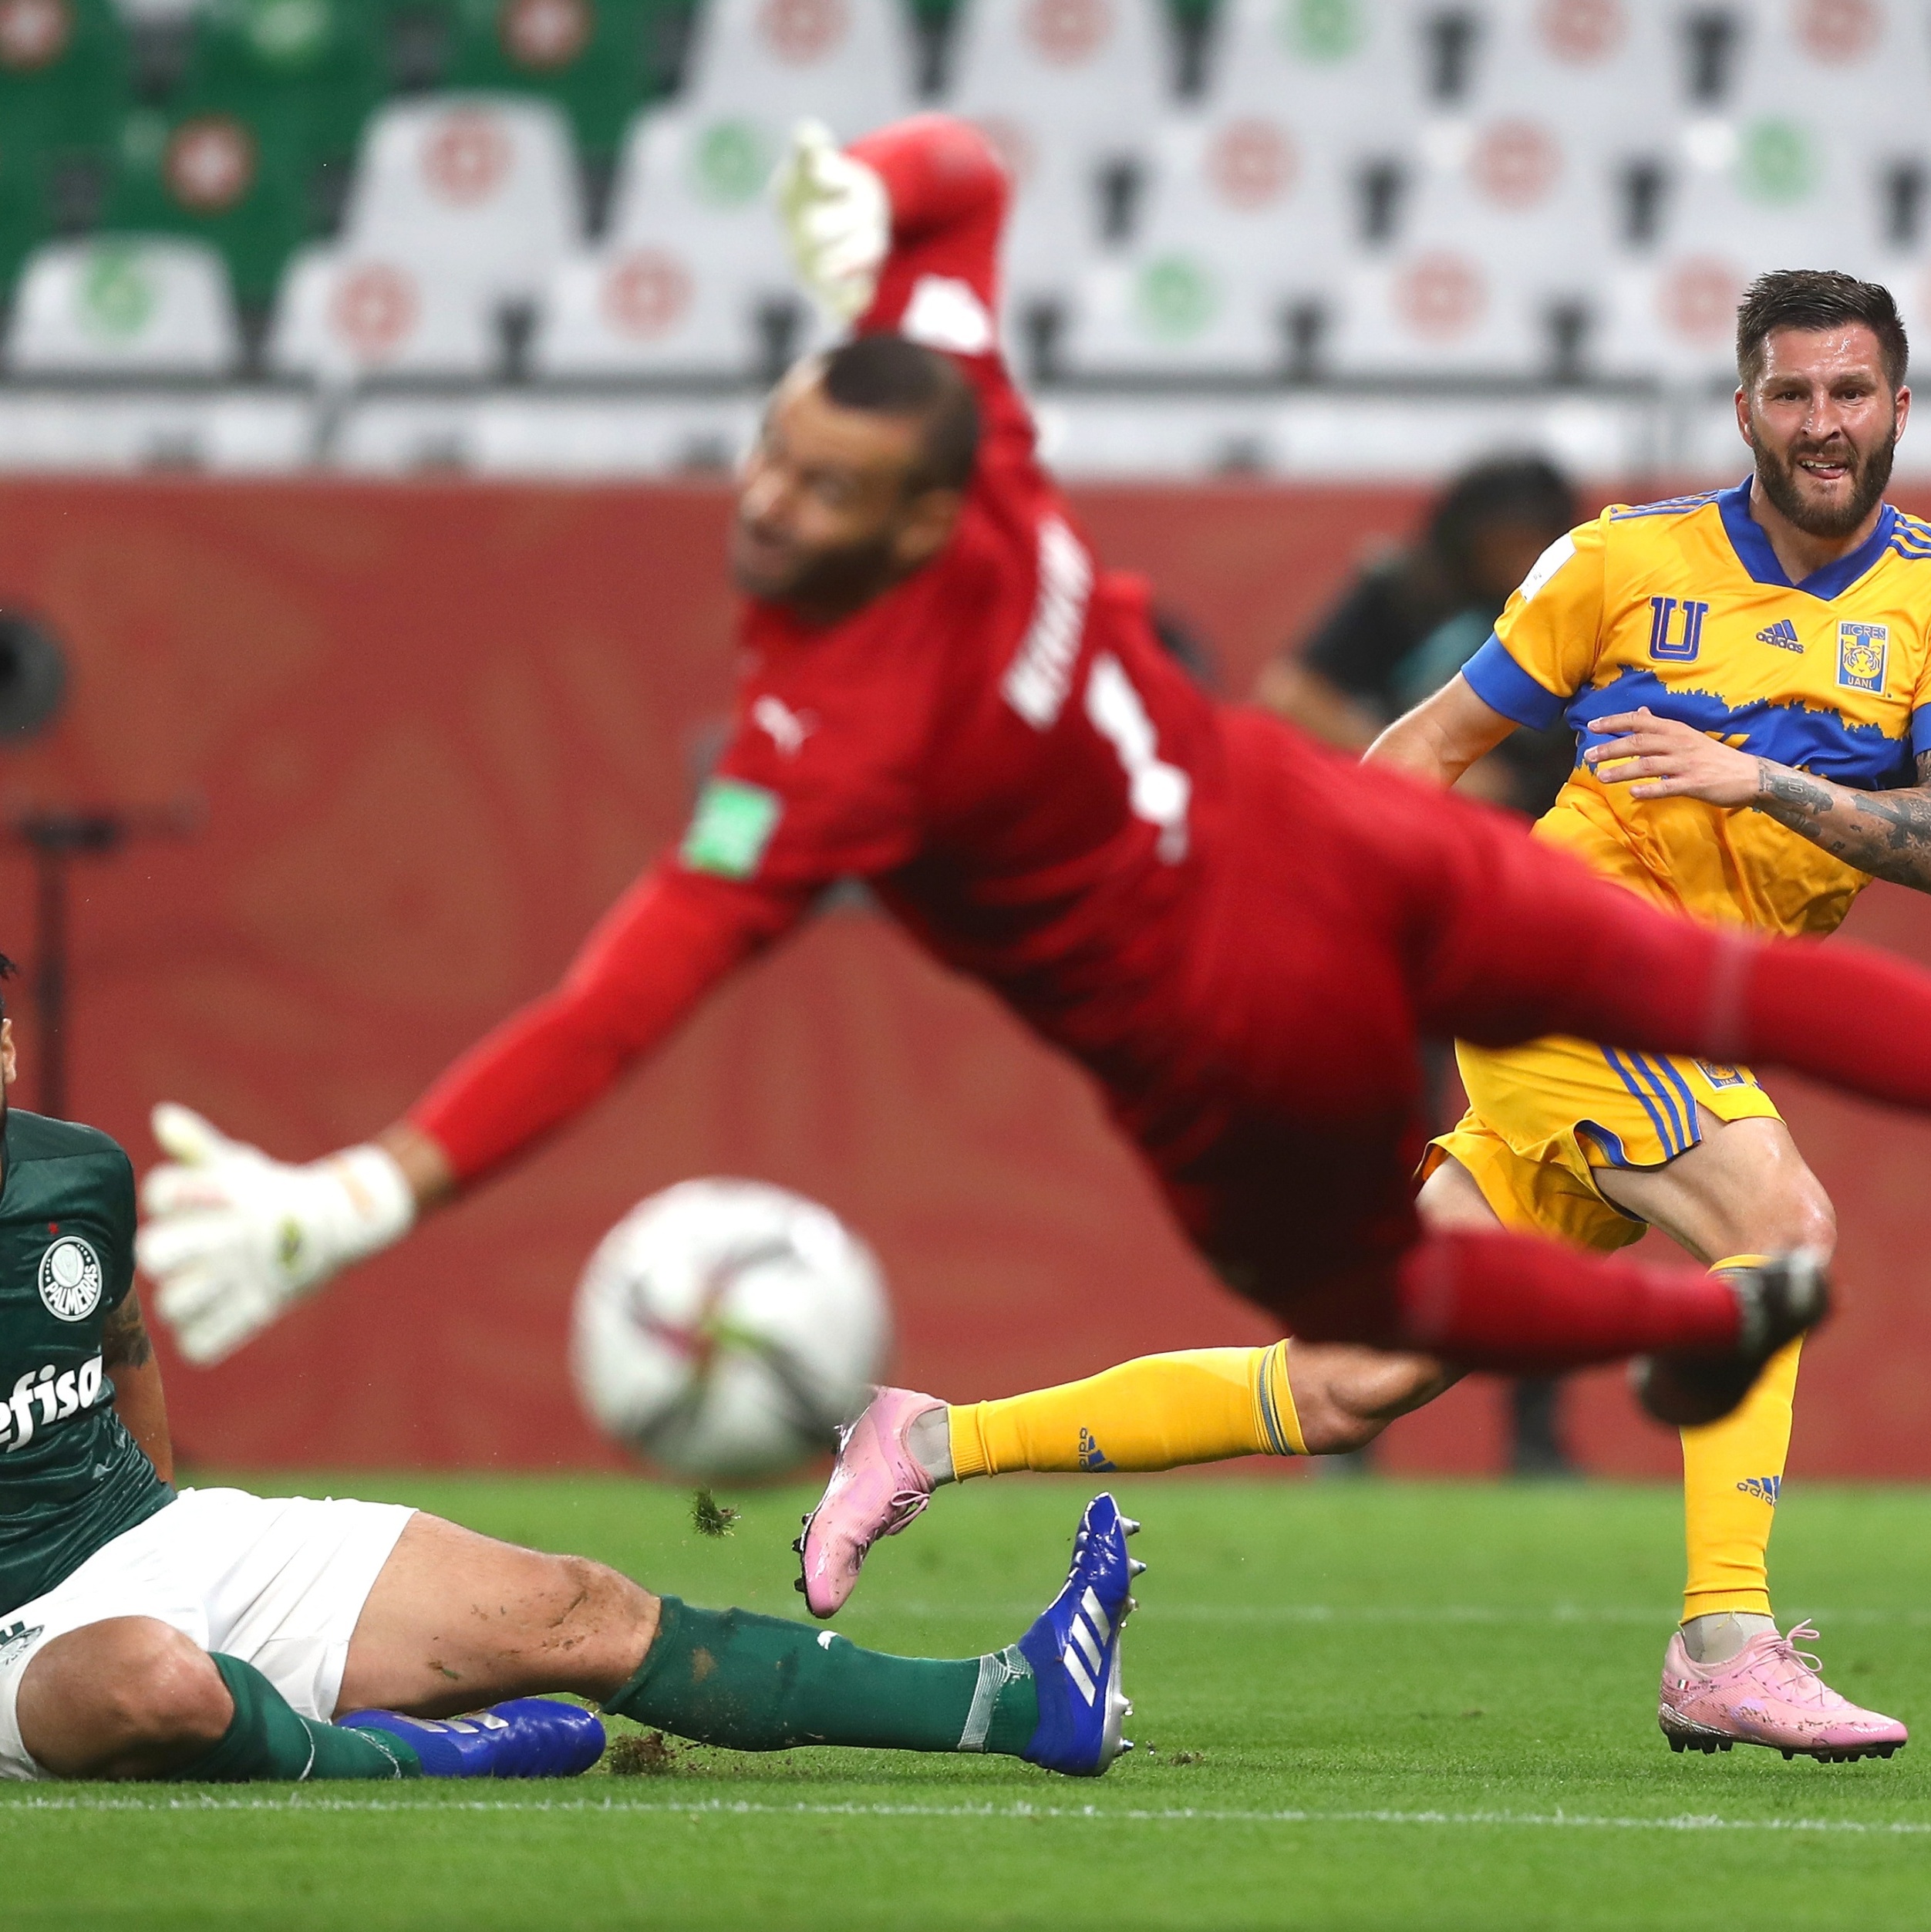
1732,1471
1156,1413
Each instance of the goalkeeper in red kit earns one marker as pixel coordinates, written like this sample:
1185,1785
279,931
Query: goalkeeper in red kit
1238,934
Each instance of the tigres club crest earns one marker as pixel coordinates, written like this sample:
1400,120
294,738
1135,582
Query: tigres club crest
1862,650
70,1279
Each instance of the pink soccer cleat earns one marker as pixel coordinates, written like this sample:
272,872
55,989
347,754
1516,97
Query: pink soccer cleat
1769,1693
876,1488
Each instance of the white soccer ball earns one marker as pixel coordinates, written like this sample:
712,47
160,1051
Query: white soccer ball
726,1329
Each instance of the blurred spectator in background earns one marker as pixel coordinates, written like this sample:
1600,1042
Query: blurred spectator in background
1405,626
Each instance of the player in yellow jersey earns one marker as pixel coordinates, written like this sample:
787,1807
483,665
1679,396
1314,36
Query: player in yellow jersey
1749,676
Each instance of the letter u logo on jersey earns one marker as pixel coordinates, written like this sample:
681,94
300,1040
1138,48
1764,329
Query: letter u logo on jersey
1862,650
1676,629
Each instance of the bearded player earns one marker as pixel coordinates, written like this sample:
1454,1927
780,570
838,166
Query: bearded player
1238,934
1748,674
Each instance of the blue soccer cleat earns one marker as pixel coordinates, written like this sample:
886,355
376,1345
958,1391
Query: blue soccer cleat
526,1737
1074,1649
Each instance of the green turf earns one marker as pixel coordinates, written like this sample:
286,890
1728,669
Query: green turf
1360,1704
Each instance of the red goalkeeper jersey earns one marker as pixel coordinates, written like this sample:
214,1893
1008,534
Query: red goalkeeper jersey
998,745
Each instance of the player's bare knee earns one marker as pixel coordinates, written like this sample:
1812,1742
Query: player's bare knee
1344,1396
595,1620
117,1699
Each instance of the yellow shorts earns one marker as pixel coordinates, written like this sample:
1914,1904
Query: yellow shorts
1542,1117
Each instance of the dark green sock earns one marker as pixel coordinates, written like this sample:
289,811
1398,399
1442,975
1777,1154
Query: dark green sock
266,1739
758,1684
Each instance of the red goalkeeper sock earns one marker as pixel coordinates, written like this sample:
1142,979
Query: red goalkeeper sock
1518,1305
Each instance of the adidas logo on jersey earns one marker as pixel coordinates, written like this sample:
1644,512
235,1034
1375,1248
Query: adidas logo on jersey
1765,1489
1091,1455
1086,1638
1783,634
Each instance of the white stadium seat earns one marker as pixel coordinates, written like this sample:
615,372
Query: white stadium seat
1355,71
480,186
1504,227
768,63
1066,90
693,257
130,304
346,313
1245,222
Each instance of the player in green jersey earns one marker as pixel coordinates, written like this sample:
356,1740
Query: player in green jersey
211,1635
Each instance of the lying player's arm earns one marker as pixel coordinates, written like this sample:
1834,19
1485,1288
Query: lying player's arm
1443,736
128,1358
1887,834
234,1238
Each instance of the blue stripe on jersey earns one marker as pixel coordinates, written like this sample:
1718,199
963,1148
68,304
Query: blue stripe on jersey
1673,1140
1817,741
1692,1133
1668,507
1751,542
1648,1105
1921,731
1504,686
1682,1125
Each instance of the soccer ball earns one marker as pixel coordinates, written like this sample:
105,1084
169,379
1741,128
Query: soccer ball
726,1329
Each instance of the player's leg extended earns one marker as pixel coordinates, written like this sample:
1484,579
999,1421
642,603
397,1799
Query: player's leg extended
456,1620
1155,1412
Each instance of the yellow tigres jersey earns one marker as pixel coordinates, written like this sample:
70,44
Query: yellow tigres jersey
1683,606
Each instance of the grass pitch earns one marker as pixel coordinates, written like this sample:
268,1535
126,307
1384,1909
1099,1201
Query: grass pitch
1359,1704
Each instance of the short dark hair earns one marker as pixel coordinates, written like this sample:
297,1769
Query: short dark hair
1814,298
7,970
891,375
1511,489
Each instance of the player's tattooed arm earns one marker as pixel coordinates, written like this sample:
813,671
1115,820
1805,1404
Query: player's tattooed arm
128,1356
1887,834
124,1342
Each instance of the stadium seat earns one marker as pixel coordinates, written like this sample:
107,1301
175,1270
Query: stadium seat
480,189
1504,232
241,430
221,171
531,435
123,305
599,60
352,311
63,83
1069,92
1246,231
317,67
692,278
766,62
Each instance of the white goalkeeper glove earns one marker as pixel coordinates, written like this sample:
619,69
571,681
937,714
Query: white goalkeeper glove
233,1238
837,218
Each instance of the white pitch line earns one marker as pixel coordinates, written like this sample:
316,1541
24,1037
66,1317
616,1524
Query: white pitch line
1661,1615
1025,1813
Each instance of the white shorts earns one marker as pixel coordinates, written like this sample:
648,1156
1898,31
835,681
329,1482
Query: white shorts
277,1582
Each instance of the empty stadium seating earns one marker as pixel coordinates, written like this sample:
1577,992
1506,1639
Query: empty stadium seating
1431,197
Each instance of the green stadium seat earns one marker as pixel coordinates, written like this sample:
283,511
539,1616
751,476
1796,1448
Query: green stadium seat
208,168
317,67
599,60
